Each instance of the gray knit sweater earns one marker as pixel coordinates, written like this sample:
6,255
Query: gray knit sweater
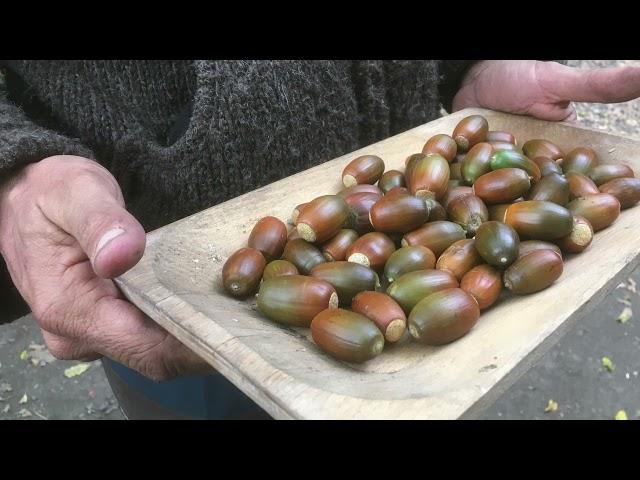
180,136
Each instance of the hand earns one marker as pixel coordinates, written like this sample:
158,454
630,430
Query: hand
64,232
543,89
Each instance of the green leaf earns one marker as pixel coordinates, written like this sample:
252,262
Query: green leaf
608,364
24,355
621,415
626,314
76,370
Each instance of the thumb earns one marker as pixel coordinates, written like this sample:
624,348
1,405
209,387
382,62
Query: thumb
603,85
89,207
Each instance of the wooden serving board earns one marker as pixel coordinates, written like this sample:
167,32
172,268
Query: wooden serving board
177,283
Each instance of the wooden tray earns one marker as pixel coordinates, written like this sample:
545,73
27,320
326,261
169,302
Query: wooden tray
177,283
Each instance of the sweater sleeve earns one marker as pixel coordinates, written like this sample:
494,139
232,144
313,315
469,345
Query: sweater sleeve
22,141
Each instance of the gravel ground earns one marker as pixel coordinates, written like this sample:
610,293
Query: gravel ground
570,381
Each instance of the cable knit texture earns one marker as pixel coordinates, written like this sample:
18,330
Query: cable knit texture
181,136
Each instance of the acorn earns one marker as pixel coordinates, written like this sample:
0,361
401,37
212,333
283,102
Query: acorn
347,192
409,259
383,311
529,246
601,209
454,193
477,162
303,255
533,272
443,145
347,336
359,207
391,179
455,171
539,220
580,185
604,173
411,159
371,250
459,258
579,238
484,283
436,236
269,236
542,148
295,299
398,213
579,160
443,317
365,169
626,190
242,272
336,248
498,211
323,218
500,136
279,268
468,211
502,146
397,191
293,235
459,158
470,131
428,176
502,186
497,243
547,166
551,188
513,159
410,288
296,213
454,183
347,278
436,212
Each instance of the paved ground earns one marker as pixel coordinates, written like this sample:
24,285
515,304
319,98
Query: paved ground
34,386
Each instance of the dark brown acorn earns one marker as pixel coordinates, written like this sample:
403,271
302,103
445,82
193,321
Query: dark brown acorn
502,186
398,213
579,160
533,272
279,268
626,190
542,148
436,212
497,243
455,171
323,218
365,169
484,283
477,162
468,211
547,166
454,193
441,144
359,207
336,248
303,255
579,238
391,179
529,246
498,211
269,236
604,173
347,192
347,278
382,310
296,213
412,287
501,146
295,299
409,259
551,188
443,317
580,185
242,272
347,336
371,250
539,220
459,258
470,131
436,236
601,209
428,176
501,136
513,159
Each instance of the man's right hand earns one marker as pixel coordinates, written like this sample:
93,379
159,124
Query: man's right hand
64,233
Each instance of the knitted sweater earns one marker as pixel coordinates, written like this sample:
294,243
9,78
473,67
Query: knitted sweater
181,136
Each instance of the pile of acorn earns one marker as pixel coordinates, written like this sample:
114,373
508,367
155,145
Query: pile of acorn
426,250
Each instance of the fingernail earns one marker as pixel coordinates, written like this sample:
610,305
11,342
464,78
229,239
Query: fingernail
107,237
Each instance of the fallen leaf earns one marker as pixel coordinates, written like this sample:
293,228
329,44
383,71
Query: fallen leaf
626,314
621,285
632,285
24,399
621,415
608,364
40,355
24,413
6,408
552,406
24,355
76,370
624,301
5,387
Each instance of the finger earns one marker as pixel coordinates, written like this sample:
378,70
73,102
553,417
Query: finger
68,349
605,85
90,208
553,112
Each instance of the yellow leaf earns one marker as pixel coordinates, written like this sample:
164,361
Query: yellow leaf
621,415
608,364
626,314
552,406
24,355
76,370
